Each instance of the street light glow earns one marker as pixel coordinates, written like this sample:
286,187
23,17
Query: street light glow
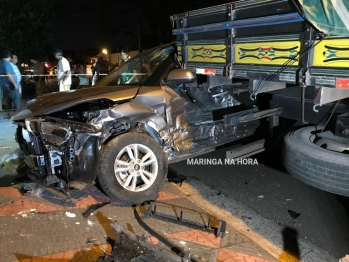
104,51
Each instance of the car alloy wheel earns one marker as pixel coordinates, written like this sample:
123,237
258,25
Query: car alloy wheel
132,168
136,167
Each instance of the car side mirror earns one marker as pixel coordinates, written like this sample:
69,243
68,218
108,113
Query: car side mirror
179,76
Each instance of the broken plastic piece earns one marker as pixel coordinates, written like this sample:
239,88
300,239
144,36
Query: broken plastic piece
221,229
93,208
90,240
293,214
69,214
139,250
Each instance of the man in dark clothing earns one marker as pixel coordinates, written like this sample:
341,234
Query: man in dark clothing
8,79
102,67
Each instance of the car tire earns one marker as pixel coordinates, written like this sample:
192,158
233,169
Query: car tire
314,165
124,175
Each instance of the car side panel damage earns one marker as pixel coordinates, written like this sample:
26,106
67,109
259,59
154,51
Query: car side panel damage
197,118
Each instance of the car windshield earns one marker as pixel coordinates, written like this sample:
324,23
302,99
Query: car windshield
137,70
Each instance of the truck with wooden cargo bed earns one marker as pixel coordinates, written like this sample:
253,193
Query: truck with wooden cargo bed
287,59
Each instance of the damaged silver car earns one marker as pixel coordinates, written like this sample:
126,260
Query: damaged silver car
125,130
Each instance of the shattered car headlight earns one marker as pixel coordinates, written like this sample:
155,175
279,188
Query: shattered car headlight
33,125
52,132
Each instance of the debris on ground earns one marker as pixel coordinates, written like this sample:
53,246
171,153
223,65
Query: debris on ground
24,188
23,214
93,208
260,196
130,247
69,214
13,162
91,240
293,214
77,185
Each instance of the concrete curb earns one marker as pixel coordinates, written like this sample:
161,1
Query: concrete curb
264,233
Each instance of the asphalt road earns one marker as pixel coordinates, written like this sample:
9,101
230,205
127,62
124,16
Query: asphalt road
319,217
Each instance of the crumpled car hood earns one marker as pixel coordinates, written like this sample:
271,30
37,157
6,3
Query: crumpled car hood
54,102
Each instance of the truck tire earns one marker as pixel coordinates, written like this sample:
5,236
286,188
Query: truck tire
133,168
314,165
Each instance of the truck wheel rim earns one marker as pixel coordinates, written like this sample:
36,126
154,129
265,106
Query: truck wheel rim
330,144
136,167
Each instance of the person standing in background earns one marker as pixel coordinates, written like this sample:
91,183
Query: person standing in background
14,61
8,100
8,79
39,79
83,77
102,67
93,77
93,63
63,71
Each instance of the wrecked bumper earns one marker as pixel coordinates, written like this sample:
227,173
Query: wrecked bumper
57,150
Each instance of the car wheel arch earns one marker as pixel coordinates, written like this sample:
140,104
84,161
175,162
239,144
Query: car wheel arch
144,127
148,122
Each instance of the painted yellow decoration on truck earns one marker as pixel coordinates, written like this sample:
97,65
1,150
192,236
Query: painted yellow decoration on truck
332,53
268,53
207,53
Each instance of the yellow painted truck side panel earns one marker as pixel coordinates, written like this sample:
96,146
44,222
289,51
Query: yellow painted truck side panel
331,53
268,53
211,53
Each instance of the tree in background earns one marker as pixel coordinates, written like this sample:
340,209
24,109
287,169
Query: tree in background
26,27
158,12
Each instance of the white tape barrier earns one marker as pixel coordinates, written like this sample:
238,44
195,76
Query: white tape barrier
81,74
30,75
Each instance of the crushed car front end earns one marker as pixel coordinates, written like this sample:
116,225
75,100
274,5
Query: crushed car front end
58,150
110,132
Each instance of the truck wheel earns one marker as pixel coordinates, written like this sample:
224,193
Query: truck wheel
133,168
314,161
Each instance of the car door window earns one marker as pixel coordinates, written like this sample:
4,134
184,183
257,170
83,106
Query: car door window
136,71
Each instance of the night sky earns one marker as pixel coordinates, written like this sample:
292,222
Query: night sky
85,24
